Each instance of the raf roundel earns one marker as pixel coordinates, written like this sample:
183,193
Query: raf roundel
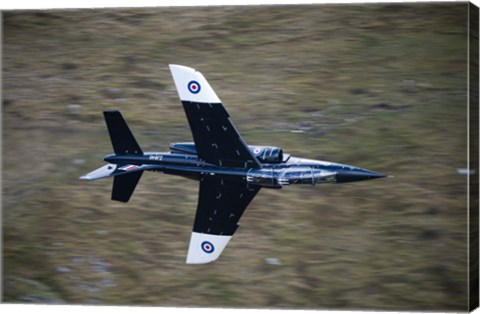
194,87
207,247
257,151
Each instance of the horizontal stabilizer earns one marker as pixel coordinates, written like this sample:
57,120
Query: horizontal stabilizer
124,185
123,141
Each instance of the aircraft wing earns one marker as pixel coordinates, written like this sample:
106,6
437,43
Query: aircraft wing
216,139
221,203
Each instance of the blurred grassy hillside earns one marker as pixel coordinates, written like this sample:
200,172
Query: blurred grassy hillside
379,86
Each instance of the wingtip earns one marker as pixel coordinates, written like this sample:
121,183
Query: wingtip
192,85
180,67
190,262
206,248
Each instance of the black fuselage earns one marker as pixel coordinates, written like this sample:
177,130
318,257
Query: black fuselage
271,175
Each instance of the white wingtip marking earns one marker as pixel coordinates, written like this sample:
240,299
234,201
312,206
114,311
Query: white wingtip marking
205,248
192,85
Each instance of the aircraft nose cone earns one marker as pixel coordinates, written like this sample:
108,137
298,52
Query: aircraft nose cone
357,175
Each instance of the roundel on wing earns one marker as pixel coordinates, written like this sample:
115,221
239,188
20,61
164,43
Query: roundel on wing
207,247
194,87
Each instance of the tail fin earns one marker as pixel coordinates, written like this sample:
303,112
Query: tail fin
124,185
123,141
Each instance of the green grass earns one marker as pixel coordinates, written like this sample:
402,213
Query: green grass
386,93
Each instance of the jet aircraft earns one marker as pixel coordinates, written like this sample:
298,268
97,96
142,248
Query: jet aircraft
230,172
